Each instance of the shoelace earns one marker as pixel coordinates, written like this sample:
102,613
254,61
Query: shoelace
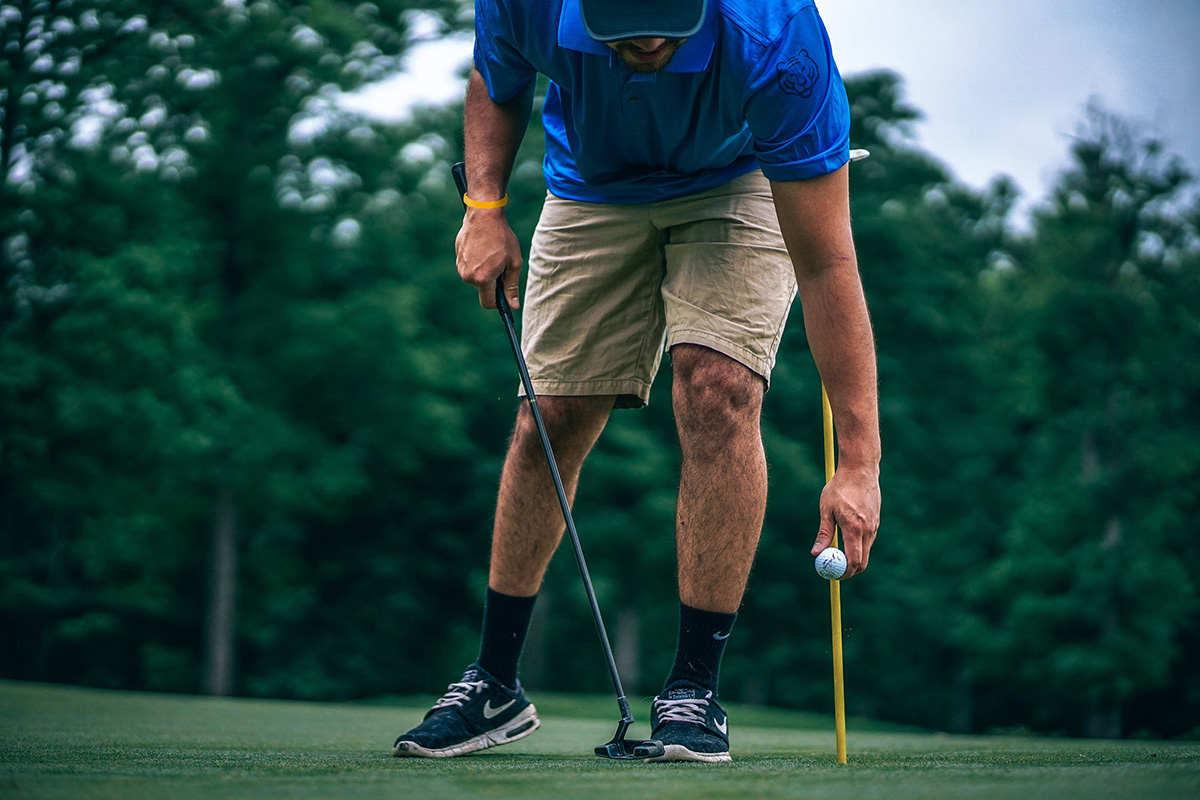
693,711
458,693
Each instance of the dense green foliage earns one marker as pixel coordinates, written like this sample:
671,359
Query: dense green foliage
83,743
221,292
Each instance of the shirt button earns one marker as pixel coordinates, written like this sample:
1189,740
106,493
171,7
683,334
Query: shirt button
633,99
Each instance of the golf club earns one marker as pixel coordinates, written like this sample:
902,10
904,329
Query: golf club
619,747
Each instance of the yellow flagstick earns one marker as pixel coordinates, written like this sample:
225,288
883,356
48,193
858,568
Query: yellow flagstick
835,598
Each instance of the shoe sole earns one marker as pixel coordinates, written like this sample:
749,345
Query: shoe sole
677,752
518,727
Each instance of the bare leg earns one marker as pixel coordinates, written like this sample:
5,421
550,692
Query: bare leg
723,481
529,523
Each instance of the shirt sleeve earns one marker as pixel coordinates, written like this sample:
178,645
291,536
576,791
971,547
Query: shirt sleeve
505,71
796,104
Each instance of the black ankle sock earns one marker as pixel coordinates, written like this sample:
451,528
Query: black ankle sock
702,637
505,623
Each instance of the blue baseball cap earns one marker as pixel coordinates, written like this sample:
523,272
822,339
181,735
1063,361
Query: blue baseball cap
612,20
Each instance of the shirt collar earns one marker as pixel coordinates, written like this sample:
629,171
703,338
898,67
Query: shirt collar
692,56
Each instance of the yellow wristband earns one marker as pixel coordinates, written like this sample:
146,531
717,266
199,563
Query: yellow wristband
501,203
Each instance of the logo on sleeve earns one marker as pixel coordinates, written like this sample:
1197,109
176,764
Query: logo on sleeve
798,75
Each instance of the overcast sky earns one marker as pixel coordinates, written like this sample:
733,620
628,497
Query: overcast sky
1002,84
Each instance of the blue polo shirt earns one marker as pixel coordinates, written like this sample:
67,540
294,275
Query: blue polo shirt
756,87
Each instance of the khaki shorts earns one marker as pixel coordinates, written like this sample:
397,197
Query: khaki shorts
610,285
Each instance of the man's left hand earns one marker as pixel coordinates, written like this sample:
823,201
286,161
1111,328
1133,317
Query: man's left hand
851,501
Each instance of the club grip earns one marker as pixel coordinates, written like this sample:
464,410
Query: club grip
459,172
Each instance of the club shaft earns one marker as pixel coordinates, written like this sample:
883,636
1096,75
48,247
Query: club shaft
835,596
506,313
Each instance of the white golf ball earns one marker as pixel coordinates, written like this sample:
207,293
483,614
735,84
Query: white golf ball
831,564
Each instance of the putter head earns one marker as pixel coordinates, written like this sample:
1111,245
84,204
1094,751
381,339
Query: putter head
623,749
627,749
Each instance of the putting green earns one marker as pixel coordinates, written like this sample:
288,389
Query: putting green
82,743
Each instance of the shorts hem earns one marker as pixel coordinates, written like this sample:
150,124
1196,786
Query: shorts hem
621,388
755,363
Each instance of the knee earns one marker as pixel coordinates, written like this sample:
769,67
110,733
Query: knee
525,435
714,395
571,423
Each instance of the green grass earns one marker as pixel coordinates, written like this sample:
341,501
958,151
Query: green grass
83,743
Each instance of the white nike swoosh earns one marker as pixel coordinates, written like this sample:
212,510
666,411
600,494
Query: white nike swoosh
721,638
489,712
723,726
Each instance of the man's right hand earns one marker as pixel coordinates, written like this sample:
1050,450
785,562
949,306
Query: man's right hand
487,249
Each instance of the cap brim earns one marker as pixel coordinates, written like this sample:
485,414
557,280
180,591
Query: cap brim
613,20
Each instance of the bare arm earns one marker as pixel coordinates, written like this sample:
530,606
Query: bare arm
814,216
486,246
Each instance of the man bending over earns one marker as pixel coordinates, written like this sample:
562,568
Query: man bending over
696,156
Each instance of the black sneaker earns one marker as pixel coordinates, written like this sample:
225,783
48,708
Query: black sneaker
691,725
475,713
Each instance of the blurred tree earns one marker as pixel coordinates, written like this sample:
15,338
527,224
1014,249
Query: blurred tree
191,122
1093,590
98,421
